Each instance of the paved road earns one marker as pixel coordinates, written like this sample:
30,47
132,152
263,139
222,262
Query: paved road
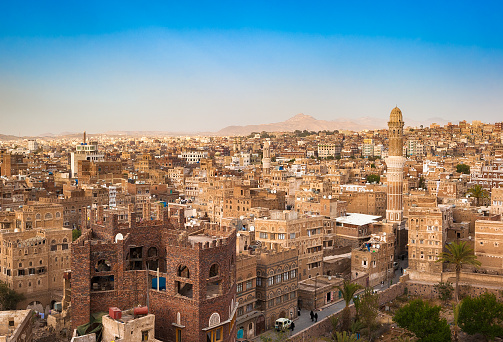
304,320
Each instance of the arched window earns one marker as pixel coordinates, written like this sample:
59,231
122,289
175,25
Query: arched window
48,216
58,214
214,319
214,270
103,266
38,217
183,271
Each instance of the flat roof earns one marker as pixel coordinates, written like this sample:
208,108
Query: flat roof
357,219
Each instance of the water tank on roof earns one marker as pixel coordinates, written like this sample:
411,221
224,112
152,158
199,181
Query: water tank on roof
141,310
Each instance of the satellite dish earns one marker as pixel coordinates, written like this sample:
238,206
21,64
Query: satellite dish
119,237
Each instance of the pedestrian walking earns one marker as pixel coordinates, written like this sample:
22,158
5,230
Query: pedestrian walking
312,315
292,326
401,270
316,317
298,311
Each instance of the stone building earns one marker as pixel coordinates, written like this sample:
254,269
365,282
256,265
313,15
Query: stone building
365,202
489,245
375,258
16,326
277,283
490,175
185,275
33,262
427,236
286,228
353,229
314,293
246,287
497,201
243,198
129,328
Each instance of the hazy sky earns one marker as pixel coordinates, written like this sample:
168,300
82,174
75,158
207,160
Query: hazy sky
200,66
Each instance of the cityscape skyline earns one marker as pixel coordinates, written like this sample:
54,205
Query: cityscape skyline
101,67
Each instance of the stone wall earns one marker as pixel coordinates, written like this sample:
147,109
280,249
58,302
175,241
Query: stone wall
322,328
428,290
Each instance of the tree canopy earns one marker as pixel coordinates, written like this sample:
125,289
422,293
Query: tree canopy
424,321
463,168
373,178
482,314
8,297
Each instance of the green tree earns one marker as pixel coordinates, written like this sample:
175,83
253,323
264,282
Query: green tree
422,183
373,178
348,290
455,311
344,337
458,254
76,233
463,168
478,192
444,291
9,298
424,321
369,303
482,314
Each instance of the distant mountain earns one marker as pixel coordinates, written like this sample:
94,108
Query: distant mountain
298,122
6,137
306,122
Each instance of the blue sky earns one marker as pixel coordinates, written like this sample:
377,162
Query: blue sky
200,66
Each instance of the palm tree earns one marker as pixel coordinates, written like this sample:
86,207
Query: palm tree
478,192
455,310
348,290
344,337
458,254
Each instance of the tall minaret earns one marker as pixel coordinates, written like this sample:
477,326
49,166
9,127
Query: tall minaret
266,159
395,163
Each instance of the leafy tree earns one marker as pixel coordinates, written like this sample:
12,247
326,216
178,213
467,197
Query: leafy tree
478,192
76,233
463,168
330,157
373,178
422,183
424,321
444,291
348,290
369,303
482,314
9,298
458,254
372,166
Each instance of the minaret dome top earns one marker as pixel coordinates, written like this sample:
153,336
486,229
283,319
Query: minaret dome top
396,115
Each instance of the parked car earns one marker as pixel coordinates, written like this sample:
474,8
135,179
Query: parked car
282,324
395,265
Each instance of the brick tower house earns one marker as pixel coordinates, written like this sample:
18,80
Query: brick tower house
184,274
